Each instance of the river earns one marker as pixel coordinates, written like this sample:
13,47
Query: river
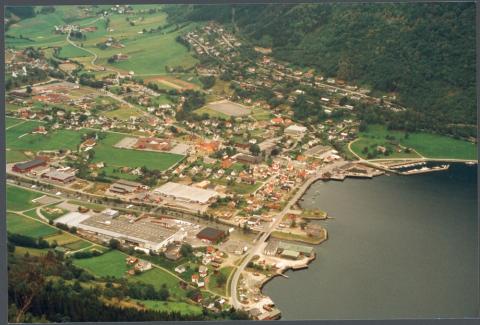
398,247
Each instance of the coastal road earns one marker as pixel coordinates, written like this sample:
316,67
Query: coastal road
255,250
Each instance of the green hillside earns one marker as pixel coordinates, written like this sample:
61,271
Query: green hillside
423,53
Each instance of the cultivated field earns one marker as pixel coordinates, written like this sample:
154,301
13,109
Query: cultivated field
426,144
22,225
109,264
20,138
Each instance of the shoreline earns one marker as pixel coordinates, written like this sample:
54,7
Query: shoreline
282,271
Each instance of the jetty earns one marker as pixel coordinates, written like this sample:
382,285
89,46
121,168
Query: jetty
425,170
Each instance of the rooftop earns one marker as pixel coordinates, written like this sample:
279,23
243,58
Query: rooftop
185,192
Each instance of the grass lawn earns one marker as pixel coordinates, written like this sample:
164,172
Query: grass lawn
243,188
53,215
260,114
19,199
70,51
213,285
10,121
157,278
20,138
427,144
295,237
15,156
109,264
62,239
212,113
169,306
20,251
123,113
24,226
115,157
76,245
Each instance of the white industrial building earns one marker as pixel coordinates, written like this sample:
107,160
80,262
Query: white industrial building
186,193
142,234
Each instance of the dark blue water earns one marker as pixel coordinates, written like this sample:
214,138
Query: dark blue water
398,247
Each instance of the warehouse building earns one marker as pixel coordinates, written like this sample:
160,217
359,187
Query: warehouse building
61,176
27,166
185,193
211,234
141,234
125,187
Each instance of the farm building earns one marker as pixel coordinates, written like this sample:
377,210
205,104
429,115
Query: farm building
25,167
211,234
125,187
62,176
186,193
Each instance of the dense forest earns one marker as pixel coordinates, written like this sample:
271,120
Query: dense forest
423,53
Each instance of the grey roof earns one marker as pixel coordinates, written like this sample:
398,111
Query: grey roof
186,192
62,175
30,164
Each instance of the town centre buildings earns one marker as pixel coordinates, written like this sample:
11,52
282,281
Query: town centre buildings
143,233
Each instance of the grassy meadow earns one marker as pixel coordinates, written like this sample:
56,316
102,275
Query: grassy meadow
426,144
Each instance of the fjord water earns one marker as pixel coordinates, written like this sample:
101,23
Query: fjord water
398,247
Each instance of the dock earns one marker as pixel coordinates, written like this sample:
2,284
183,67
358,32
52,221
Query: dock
425,170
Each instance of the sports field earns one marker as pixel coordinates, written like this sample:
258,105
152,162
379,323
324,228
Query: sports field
115,157
24,226
229,108
19,199
426,144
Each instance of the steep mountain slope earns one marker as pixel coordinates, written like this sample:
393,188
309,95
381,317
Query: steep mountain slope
424,53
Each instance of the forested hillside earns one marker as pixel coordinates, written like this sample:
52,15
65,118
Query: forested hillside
424,53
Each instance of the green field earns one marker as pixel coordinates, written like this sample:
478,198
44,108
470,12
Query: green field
11,121
426,144
180,307
123,113
19,199
115,157
261,115
143,49
213,286
157,278
19,137
159,47
70,51
21,251
109,264
24,226
77,245
211,113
